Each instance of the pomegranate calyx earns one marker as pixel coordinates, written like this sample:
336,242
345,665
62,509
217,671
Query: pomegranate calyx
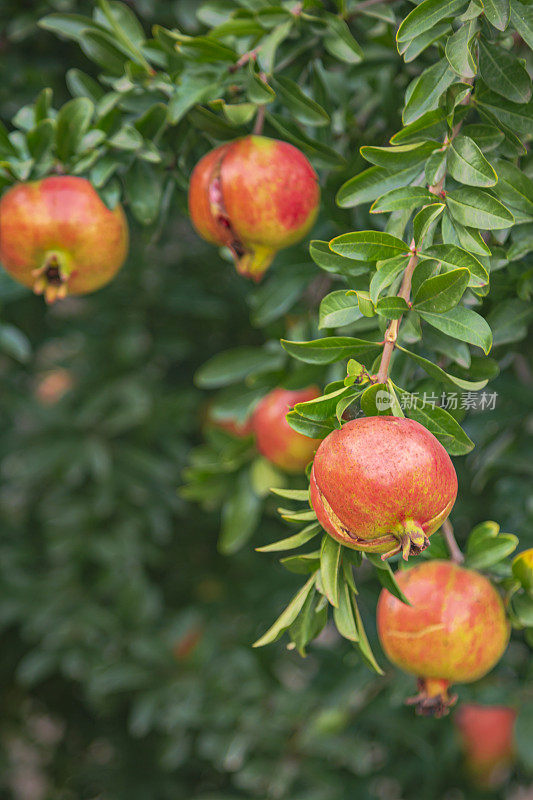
51,279
433,698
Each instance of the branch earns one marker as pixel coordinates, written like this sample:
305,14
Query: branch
455,551
391,334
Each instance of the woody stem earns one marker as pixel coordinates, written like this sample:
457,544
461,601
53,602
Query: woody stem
455,552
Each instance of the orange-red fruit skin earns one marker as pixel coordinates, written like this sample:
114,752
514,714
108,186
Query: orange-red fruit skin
275,439
63,215
487,738
381,476
258,192
455,629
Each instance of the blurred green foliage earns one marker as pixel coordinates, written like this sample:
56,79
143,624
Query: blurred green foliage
126,665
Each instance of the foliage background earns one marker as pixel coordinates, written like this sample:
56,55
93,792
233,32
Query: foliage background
126,667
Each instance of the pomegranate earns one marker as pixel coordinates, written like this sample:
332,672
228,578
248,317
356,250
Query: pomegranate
276,440
254,195
455,629
382,484
486,734
58,237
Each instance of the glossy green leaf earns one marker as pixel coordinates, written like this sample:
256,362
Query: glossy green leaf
72,123
292,542
426,15
408,197
288,616
368,245
468,165
503,72
303,107
337,309
442,292
462,323
477,209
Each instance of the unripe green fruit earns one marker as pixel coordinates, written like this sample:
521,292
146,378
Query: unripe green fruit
382,484
58,237
454,631
256,196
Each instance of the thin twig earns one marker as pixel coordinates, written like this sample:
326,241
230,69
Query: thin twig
259,120
251,55
455,551
391,334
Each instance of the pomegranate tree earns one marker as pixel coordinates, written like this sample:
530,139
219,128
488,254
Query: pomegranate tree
454,631
382,484
58,237
486,734
254,195
276,440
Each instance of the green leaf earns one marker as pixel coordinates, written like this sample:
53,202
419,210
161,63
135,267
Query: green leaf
301,564
470,239
258,91
426,15
399,156
514,188
385,275
487,137
322,255
373,182
522,19
467,164
392,307
144,191
368,245
72,123
288,616
438,421
451,257
442,292
15,343
69,26
411,49
126,138
490,550
509,321
386,577
424,223
301,106
340,43
364,303
330,349
431,125
477,209
323,407
444,377
233,365
99,47
314,430
503,72
337,309
292,542
40,140
301,495
459,50
330,561
406,197
425,92
523,608
343,614
82,85
270,44
363,643
517,117
464,324
240,516
497,12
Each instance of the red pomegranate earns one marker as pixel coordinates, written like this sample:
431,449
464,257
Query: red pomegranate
382,484
454,631
276,440
256,196
59,238
486,734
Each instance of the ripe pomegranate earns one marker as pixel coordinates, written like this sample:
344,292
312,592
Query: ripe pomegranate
254,195
276,440
486,734
58,237
382,484
455,629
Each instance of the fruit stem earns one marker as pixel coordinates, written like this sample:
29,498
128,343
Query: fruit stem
455,551
259,121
